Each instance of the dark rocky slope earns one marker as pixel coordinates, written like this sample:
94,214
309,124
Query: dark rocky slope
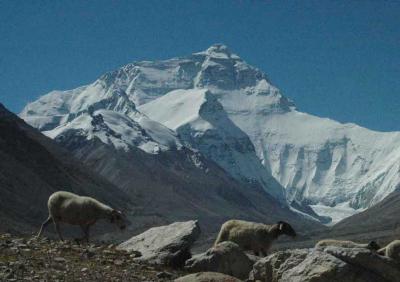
32,167
381,221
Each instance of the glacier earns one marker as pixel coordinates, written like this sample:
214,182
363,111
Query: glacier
214,102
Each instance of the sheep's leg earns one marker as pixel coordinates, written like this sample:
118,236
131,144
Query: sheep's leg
85,229
44,224
57,225
381,251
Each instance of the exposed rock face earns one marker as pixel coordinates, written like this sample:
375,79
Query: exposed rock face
331,264
165,245
226,257
207,277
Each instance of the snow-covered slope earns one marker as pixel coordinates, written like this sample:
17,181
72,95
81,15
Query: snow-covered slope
99,111
201,122
336,168
119,130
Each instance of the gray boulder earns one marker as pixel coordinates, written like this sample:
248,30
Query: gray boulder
385,267
165,245
332,264
273,266
207,277
226,257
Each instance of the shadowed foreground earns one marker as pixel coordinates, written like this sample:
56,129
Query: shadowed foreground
27,259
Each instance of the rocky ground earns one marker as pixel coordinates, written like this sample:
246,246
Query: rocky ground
30,259
163,253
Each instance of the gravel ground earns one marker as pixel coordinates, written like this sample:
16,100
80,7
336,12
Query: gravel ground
31,259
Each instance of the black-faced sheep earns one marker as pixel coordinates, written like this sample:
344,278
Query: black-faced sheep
373,246
70,208
256,237
392,250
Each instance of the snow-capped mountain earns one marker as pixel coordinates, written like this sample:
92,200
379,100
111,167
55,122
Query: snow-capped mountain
99,111
202,124
106,111
212,100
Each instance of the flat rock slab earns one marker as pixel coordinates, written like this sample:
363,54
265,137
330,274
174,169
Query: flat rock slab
207,277
226,257
165,245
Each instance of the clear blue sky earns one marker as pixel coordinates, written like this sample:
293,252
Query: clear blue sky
337,59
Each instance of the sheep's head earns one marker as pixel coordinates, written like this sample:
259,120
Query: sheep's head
373,246
117,218
285,228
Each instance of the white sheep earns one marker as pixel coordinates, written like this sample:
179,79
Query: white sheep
70,208
392,250
373,246
253,236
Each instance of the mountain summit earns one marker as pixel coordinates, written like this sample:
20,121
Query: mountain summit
214,103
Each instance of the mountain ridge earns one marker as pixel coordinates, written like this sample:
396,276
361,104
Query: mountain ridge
319,162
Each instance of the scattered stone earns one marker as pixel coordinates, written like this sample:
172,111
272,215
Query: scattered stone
59,260
135,254
118,262
26,251
18,241
87,254
164,275
85,269
22,246
165,245
207,277
108,252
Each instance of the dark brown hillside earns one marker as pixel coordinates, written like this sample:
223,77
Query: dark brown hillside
32,167
383,218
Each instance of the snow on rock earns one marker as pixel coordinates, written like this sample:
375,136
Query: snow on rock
336,213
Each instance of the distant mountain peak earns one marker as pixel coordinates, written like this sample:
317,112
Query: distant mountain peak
216,97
